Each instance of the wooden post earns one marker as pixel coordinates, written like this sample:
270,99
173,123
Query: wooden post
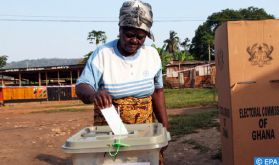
2,80
209,56
19,77
58,77
46,79
181,79
77,73
71,76
40,80
178,65
192,77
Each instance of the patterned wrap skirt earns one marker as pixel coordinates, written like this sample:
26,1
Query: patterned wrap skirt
132,111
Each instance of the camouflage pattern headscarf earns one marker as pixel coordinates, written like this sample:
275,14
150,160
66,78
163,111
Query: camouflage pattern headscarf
137,14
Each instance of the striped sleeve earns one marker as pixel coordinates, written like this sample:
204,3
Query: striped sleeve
91,73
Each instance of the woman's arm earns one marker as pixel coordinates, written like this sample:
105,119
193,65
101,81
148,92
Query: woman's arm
88,95
159,107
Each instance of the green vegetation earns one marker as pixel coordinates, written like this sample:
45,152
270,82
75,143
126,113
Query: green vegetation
94,37
186,124
197,146
201,46
67,105
203,42
180,98
62,110
172,43
3,60
175,98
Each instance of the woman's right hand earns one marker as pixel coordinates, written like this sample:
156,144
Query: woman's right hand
102,99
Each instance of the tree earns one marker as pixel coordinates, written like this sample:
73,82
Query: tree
209,40
96,37
85,57
165,57
172,44
3,60
182,56
186,44
203,41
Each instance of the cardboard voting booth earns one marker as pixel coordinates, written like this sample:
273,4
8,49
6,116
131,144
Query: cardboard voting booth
247,81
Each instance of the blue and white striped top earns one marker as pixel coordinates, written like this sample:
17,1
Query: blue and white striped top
121,76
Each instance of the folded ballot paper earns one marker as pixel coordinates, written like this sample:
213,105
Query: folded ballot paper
114,121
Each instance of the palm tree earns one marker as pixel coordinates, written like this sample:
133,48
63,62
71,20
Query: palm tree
209,39
172,43
185,44
97,37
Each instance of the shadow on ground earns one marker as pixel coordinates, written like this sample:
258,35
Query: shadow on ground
53,160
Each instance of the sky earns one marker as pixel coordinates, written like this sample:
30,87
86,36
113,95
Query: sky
32,29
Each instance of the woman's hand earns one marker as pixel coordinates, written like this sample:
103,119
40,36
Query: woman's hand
102,99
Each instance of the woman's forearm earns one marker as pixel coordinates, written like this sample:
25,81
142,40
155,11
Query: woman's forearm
159,108
85,93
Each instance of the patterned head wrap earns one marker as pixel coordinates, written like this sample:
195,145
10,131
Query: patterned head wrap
137,14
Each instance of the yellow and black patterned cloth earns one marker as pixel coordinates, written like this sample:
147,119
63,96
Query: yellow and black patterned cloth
132,111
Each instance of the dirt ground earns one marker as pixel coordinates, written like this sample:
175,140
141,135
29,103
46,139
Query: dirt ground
31,137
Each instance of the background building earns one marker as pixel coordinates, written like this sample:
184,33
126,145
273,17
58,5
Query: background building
39,83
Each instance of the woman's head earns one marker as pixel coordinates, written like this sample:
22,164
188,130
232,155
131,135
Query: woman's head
130,40
136,14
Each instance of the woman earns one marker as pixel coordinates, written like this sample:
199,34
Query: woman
125,72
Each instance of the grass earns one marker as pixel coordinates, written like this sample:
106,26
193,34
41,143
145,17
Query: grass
62,110
65,105
197,146
186,124
175,98
181,98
